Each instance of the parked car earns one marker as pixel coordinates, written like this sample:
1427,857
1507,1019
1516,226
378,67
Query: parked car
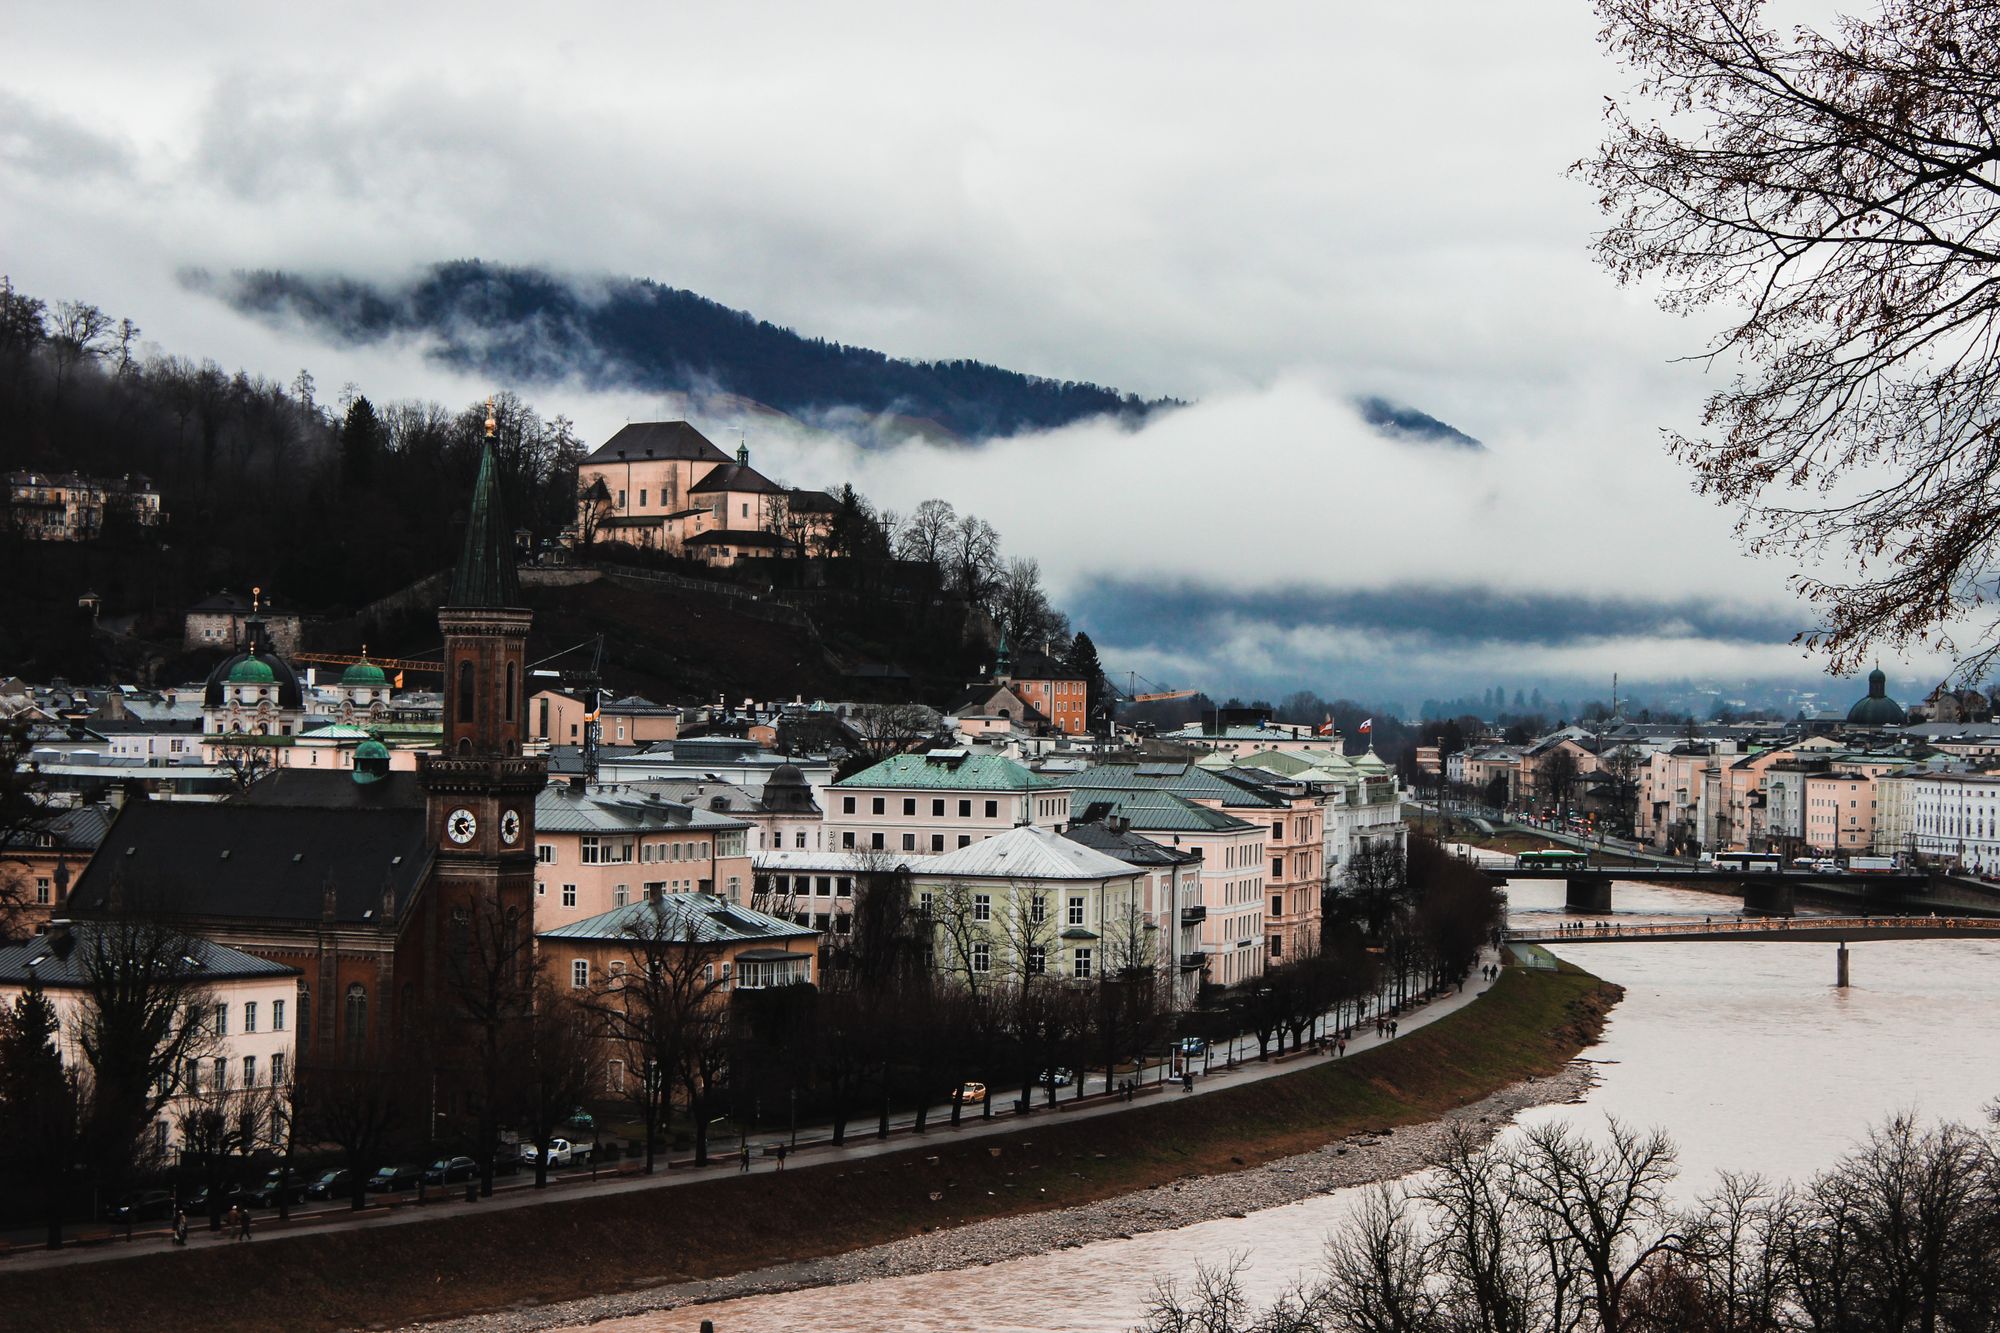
334,1184
395,1179
561,1153
197,1202
1056,1078
450,1170
1194,1047
265,1193
144,1206
969,1093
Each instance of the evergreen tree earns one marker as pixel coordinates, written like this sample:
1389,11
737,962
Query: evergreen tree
1081,660
38,1107
361,437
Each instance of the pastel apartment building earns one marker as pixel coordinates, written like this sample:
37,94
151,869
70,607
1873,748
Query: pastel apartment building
600,848
929,804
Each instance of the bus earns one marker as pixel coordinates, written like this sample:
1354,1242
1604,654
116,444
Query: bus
1750,863
1553,859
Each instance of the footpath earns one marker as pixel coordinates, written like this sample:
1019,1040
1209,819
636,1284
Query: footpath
1230,1066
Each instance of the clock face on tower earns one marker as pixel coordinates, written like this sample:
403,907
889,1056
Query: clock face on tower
510,827
460,826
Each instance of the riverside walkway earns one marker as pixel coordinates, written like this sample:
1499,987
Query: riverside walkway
1231,1065
1768,928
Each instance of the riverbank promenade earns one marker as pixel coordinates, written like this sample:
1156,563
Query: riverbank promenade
1229,1065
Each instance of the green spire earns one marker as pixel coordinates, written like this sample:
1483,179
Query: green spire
485,575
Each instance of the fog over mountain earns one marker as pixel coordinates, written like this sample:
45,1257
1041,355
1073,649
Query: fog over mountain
1250,217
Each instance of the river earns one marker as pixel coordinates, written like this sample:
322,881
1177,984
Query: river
1744,1051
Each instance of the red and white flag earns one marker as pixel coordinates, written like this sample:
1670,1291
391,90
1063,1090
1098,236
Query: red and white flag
1367,725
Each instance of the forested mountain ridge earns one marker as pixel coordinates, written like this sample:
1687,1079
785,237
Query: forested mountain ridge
529,325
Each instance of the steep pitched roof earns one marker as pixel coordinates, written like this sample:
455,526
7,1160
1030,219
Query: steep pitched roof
485,576
737,477
240,860
39,959
640,440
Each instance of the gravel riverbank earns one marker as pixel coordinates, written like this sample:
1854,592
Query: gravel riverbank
1356,1160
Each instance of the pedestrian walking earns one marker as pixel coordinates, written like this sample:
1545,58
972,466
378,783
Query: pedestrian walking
781,1156
232,1218
243,1224
745,1155
1187,1080
180,1227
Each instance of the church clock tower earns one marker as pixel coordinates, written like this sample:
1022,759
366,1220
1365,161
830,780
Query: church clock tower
480,789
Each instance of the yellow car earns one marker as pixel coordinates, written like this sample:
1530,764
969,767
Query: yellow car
970,1092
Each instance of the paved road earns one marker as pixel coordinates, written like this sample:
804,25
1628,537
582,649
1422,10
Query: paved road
570,1185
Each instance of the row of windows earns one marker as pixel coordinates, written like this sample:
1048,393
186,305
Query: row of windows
191,1075
220,1016
1082,961
876,841
879,805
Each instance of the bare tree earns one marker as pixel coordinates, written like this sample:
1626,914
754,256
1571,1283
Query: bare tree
490,971
651,1004
358,1106
1601,1206
1834,187
883,730
926,538
145,1018
558,1057
75,334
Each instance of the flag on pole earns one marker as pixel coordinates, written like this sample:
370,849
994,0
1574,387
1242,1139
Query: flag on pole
1367,725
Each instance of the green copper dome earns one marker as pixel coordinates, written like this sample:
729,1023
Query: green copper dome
1877,709
252,671
364,672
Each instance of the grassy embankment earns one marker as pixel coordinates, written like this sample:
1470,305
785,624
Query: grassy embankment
468,1261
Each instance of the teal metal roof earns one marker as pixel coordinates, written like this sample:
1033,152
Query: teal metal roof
950,770
1154,812
1182,779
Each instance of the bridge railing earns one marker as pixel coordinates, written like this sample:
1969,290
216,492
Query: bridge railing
1604,930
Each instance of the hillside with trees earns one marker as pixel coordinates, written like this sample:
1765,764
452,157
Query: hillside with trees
529,325
330,505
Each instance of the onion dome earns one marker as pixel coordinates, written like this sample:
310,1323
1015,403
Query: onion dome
252,671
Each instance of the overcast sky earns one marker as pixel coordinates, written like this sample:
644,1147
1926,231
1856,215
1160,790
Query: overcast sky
1267,209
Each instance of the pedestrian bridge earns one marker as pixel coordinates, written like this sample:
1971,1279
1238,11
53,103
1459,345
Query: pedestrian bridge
1841,928
1768,891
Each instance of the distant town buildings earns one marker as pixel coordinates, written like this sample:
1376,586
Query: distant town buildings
67,507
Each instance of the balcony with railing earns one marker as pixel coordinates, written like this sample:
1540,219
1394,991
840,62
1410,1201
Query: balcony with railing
1194,914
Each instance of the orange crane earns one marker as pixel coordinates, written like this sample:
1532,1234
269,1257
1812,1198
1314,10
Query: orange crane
1161,694
386,663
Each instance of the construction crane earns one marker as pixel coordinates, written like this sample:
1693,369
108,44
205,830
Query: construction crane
386,663
1154,694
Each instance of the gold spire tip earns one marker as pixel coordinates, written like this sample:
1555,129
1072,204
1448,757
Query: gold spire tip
492,425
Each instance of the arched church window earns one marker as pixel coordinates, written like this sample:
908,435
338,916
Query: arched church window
357,1017
305,1028
465,691
512,689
